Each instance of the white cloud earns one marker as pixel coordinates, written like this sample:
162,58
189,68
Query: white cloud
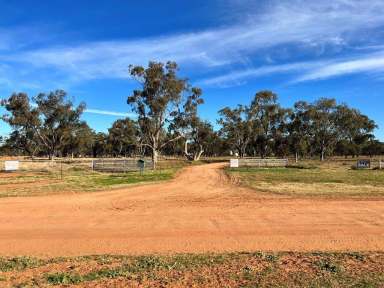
235,78
259,34
110,113
308,71
369,64
307,23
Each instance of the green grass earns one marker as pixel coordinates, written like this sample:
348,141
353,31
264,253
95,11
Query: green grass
339,181
19,263
133,178
243,269
319,175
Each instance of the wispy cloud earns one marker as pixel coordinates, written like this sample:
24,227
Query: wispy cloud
307,24
305,71
367,64
110,113
235,78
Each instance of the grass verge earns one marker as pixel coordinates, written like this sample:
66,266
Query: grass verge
76,180
320,181
258,269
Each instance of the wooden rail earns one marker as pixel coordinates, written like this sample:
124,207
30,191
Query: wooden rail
258,162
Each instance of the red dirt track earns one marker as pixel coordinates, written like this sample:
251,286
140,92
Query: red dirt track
199,211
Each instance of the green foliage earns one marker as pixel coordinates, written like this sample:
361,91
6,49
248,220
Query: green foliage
19,263
159,102
63,278
123,137
50,126
320,128
236,127
167,122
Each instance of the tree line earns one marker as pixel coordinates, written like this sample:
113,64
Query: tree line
167,123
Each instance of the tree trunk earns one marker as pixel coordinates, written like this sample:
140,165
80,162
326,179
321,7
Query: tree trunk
296,157
198,155
322,155
186,153
155,155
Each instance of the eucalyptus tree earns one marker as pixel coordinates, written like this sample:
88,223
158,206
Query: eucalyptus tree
79,141
47,124
158,103
199,139
58,117
324,127
373,147
195,132
24,120
268,120
299,129
236,127
123,136
101,146
355,129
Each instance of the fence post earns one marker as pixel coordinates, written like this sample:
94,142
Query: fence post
61,169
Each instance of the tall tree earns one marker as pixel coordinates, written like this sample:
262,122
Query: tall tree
355,129
48,124
324,126
200,137
79,141
298,129
123,136
24,121
157,103
236,127
188,124
268,120
58,117
100,146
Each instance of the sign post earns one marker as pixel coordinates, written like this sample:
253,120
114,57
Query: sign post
11,166
363,164
234,163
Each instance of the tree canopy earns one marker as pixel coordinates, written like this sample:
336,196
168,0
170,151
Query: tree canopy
167,122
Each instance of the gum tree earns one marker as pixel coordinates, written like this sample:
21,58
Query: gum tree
48,124
158,103
237,127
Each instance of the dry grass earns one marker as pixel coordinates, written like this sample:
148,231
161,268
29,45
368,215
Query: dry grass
331,179
45,177
256,269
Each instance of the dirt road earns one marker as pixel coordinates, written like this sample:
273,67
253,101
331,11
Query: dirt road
198,211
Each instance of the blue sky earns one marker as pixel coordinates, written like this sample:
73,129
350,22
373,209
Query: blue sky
302,50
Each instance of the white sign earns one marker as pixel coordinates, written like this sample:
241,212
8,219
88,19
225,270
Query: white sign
234,163
11,165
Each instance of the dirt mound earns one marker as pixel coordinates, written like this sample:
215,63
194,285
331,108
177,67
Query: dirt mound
200,210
